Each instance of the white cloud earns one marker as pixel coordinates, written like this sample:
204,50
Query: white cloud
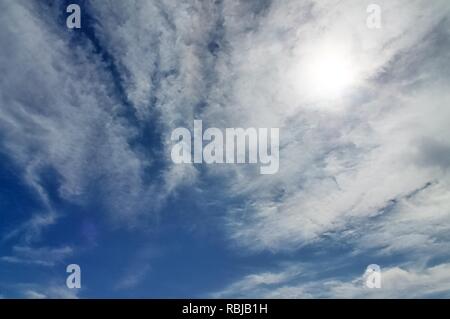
396,283
367,168
342,161
44,256
60,115
49,292
54,289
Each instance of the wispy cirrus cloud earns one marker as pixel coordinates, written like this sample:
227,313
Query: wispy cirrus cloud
397,282
349,158
92,110
77,134
50,291
43,256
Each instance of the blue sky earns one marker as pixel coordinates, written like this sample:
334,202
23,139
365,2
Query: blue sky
86,175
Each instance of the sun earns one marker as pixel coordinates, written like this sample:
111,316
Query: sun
330,74
325,72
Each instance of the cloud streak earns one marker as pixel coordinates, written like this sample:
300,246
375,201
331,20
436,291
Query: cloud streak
86,116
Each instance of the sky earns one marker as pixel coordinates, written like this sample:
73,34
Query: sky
86,175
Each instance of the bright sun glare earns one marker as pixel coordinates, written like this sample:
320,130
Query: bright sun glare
330,74
326,73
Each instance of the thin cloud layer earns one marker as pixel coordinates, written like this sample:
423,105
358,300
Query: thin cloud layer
397,283
86,118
